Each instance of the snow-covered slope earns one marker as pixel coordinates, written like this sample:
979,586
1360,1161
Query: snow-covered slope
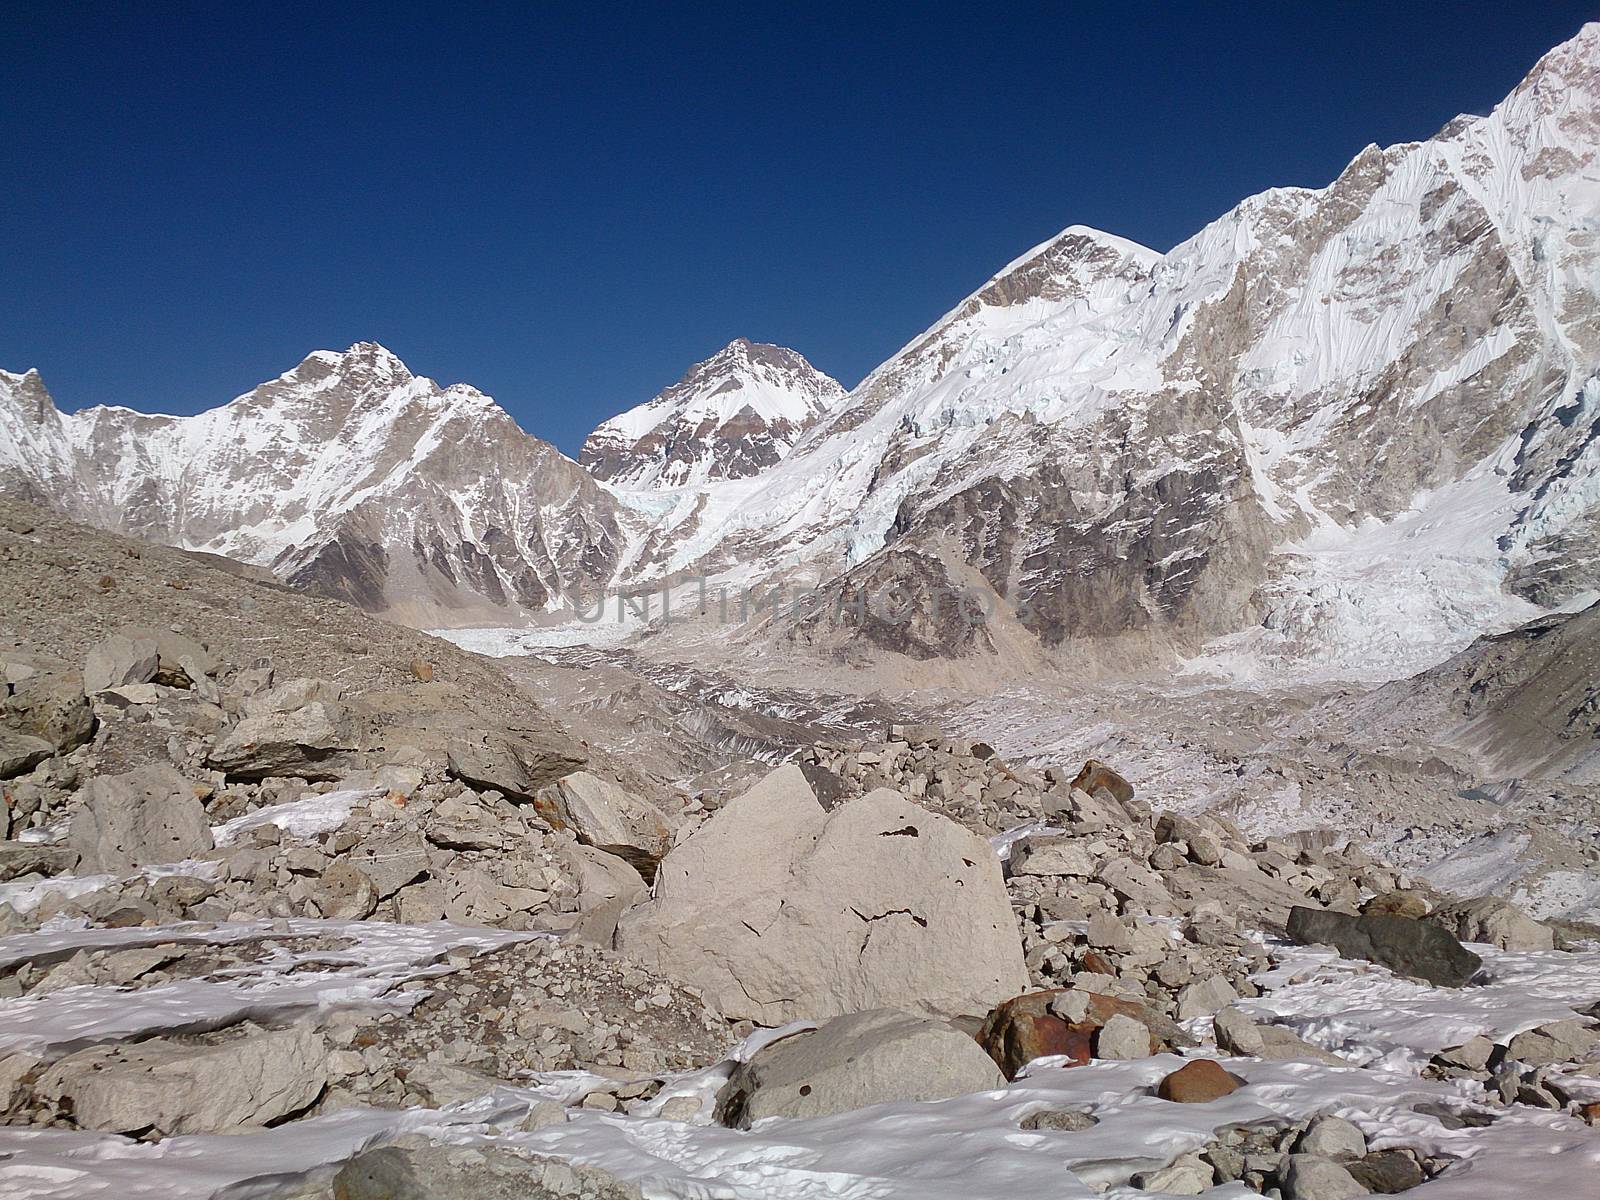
348,475
1158,448
731,416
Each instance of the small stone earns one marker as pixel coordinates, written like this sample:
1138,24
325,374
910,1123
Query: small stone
1059,1120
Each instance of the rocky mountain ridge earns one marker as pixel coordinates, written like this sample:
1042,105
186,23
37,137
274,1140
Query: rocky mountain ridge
1340,431
729,417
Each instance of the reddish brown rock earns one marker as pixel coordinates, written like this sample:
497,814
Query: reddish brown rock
1198,1082
1096,774
1023,1028
1098,963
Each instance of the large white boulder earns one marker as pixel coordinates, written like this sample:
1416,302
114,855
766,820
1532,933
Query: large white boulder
778,910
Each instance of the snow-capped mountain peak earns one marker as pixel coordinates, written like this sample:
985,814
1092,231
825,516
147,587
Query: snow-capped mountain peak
730,416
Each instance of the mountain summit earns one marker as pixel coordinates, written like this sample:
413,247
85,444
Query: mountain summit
729,417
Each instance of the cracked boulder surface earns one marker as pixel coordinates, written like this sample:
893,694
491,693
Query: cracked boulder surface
780,911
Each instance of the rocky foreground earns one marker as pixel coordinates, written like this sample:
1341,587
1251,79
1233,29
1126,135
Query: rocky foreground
287,919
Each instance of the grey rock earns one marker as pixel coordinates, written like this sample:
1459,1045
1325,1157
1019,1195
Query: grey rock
778,910
1309,1177
51,707
172,1088
21,752
119,659
148,816
1386,1172
516,765
1495,922
1557,1042
1189,1176
1332,1137
431,1172
1051,855
285,733
853,1061
1122,1037
610,818
1407,947
1205,997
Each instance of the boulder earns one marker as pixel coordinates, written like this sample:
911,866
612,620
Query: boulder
391,860
607,887
1386,1172
171,1087
1198,1082
1407,947
1491,921
852,1061
1123,1037
297,729
779,910
1189,1176
419,1171
1332,1137
34,858
517,765
21,752
1238,1034
150,815
51,707
1558,1042
1044,854
121,658
1310,1177
1205,997
610,818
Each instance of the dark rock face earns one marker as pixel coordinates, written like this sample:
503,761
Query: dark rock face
1405,946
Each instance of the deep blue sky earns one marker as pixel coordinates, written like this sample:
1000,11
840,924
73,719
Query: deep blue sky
567,205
